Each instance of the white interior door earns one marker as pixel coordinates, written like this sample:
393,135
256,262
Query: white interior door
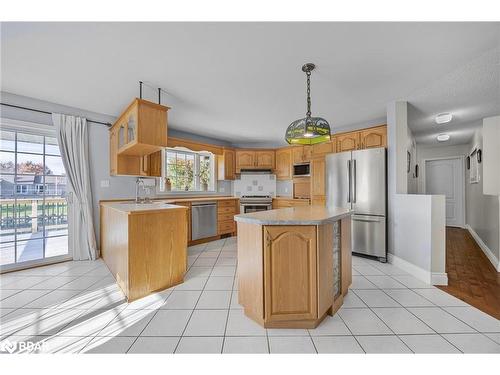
446,177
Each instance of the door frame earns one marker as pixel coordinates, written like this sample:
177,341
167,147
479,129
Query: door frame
461,158
45,130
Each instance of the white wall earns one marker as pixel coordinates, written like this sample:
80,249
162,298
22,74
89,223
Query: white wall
420,236
483,211
491,155
416,223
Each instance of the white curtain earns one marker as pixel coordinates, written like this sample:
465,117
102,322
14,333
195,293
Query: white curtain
72,136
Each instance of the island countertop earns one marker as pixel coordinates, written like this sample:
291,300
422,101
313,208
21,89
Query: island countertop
132,207
304,215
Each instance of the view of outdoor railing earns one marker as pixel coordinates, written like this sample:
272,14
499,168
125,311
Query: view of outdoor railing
32,213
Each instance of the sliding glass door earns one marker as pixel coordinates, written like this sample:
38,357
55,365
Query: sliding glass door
33,206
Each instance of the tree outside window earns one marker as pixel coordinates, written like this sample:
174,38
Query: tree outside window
189,170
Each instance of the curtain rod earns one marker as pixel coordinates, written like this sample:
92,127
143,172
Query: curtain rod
49,113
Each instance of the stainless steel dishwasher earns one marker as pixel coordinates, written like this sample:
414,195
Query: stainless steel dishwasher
203,220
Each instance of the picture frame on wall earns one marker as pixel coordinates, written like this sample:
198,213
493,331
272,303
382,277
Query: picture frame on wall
474,167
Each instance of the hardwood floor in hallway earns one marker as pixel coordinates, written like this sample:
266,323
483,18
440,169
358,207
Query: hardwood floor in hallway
471,276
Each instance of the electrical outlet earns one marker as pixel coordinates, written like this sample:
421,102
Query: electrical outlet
105,183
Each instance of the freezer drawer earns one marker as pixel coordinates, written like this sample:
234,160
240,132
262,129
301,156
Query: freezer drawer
368,235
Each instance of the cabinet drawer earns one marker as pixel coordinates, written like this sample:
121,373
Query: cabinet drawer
226,227
226,217
228,203
226,210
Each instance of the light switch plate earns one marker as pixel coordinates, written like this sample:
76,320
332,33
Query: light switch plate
104,183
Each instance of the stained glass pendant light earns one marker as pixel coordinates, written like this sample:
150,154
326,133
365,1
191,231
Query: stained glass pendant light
308,130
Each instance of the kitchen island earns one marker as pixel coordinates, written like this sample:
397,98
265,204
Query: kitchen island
144,245
294,264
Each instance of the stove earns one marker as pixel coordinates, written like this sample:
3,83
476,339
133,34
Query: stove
255,203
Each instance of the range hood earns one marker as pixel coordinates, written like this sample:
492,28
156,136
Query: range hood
256,171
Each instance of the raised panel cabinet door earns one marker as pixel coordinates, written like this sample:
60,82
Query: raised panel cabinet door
322,149
229,165
306,153
290,273
154,164
284,164
245,159
265,159
318,176
375,137
348,142
297,154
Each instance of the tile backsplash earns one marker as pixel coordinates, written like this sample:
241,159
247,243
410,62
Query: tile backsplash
255,184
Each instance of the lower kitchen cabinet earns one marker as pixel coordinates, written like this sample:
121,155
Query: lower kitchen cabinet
226,209
290,271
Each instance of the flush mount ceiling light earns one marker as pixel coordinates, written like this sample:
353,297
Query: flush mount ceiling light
308,130
443,118
443,137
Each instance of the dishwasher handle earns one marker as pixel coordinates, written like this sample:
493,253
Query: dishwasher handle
195,204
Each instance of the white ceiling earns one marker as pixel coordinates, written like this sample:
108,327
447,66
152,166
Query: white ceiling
241,82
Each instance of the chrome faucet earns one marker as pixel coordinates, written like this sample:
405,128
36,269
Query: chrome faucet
139,182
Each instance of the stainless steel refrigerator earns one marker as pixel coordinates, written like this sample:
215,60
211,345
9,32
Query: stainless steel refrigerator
357,180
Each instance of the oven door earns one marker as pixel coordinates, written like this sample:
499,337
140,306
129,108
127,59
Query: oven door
248,208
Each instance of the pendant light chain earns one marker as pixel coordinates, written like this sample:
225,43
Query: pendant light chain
308,113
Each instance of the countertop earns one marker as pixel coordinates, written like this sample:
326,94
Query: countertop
306,215
131,207
176,199
196,199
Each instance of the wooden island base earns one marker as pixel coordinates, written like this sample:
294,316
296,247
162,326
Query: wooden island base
292,276
144,246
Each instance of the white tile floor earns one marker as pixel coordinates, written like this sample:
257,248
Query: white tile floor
77,307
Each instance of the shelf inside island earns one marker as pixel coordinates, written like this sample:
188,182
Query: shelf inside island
294,264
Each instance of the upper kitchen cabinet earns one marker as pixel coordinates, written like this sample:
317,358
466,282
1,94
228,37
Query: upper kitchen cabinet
142,128
322,149
137,138
361,139
245,159
301,154
348,141
265,159
226,165
374,137
284,166
254,159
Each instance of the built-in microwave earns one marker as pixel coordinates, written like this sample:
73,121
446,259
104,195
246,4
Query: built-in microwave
301,170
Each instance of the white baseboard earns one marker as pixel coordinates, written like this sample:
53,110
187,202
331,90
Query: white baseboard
412,269
486,250
439,278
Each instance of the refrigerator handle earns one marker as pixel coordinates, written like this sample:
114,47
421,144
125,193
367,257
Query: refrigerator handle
349,181
354,187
